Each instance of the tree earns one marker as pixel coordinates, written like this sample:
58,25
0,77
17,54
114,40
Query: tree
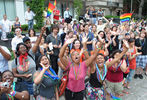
37,6
78,5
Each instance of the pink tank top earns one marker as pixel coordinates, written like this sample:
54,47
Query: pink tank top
77,84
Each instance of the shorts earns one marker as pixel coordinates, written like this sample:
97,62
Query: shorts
141,61
114,87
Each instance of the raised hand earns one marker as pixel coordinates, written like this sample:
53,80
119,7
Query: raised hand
84,39
44,67
69,41
126,45
43,29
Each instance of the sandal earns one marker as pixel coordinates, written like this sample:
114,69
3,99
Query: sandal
127,87
125,92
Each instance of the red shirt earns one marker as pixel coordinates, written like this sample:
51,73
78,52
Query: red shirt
56,14
132,62
114,76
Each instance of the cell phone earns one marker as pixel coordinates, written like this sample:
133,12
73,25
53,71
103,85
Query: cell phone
50,46
5,84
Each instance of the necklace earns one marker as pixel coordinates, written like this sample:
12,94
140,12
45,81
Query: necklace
116,68
9,96
51,75
76,73
99,75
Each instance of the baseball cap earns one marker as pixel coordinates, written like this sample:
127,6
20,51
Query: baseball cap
127,34
26,39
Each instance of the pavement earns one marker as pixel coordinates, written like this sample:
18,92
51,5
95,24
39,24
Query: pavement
137,91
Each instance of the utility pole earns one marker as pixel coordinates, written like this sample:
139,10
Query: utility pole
131,5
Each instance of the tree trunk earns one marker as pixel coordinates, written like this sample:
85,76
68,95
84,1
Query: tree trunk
140,9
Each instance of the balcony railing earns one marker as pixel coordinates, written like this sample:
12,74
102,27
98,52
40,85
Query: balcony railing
112,4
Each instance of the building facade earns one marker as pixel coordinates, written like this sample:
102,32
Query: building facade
13,8
110,7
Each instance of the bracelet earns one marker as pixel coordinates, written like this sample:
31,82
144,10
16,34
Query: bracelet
13,93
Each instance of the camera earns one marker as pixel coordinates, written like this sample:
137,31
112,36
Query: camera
5,84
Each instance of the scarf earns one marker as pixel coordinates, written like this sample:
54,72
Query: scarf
23,57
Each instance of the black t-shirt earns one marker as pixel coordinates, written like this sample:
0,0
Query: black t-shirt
94,82
19,87
94,14
142,44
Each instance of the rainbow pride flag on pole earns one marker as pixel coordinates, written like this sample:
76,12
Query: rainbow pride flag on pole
51,7
125,17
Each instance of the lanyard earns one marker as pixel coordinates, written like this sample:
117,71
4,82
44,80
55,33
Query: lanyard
53,75
11,97
99,75
117,66
76,73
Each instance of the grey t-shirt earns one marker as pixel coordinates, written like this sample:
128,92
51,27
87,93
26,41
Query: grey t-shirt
55,41
28,68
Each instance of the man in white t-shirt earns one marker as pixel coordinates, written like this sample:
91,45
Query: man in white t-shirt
17,39
6,27
29,16
67,16
5,55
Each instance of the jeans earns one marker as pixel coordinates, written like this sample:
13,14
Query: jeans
0,35
130,75
30,24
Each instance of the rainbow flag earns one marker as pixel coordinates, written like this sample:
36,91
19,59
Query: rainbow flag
125,17
55,3
51,7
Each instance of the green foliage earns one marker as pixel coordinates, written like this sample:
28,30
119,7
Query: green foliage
78,5
37,6
24,27
109,16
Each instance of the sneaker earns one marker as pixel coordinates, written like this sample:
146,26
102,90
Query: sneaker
135,76
140,76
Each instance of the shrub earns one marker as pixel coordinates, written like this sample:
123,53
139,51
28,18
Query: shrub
37,6
24,27
109,16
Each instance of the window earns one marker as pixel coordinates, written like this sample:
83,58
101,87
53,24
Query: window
7,7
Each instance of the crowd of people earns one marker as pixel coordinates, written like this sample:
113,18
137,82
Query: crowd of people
109,55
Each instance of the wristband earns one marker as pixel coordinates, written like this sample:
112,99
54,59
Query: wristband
12,93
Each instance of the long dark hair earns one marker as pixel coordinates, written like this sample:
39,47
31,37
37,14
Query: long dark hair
114,52
39,59
74,43
18,46
30,31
